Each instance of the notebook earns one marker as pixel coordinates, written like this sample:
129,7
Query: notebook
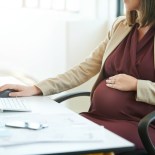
14,104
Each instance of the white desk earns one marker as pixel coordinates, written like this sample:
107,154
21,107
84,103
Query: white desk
111,141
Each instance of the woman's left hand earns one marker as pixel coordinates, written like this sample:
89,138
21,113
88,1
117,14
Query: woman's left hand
122,82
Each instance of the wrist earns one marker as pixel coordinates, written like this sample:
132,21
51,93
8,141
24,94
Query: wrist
37,91
135,85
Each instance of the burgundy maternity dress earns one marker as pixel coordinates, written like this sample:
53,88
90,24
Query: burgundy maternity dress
118,110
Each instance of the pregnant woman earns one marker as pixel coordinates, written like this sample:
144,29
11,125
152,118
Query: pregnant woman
124,91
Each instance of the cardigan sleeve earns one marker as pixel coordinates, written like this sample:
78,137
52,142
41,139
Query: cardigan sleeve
146,91
80,73
75,76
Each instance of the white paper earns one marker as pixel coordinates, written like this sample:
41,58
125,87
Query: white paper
63,128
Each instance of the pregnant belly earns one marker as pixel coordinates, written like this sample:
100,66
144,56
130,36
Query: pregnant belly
112,103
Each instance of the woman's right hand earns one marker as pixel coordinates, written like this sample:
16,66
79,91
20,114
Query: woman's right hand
21,90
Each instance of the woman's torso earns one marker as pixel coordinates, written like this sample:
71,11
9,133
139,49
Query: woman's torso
132,58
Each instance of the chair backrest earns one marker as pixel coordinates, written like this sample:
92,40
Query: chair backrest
144,134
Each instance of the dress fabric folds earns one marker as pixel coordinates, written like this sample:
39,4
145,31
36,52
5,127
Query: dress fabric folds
118,110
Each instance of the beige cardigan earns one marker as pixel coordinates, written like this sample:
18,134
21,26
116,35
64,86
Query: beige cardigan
94,64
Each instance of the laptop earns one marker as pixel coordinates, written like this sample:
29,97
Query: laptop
14,104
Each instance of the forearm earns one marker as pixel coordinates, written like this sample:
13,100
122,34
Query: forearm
77,75
146,91
66,81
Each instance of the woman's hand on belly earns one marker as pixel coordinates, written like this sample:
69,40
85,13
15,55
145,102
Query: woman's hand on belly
122,82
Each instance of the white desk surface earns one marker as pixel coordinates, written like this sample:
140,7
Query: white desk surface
111,141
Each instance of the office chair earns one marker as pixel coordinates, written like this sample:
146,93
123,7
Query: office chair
142,127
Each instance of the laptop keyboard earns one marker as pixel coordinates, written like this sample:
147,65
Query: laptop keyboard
13,104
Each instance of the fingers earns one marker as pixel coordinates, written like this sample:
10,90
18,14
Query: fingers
111,85
11,86
111,82
19,90
122,82
19,94
26,91
8,86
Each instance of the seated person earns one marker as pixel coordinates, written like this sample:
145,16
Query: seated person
125,89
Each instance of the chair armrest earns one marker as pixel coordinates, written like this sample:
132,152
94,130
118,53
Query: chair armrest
144,134
71,95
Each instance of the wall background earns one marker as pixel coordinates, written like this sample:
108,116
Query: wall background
39,44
